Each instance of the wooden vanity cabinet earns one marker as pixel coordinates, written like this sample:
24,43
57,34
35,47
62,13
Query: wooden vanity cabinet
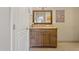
43,37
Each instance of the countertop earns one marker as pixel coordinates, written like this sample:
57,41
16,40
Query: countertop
43,27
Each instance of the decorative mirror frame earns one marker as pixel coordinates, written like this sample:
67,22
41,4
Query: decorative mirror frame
50,11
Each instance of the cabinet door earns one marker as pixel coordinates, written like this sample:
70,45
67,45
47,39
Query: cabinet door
35,38
53,38
45,38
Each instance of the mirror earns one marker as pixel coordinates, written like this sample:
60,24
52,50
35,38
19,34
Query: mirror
42,16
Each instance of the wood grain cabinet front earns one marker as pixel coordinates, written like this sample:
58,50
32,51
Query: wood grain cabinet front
43,37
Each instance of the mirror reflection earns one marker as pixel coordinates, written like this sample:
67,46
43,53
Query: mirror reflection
42,16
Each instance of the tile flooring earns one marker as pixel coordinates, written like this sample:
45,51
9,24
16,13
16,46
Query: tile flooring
62,46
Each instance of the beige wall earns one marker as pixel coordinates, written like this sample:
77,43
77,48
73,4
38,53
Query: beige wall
76,23
67,31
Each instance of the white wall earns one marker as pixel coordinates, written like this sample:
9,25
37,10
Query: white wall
4,29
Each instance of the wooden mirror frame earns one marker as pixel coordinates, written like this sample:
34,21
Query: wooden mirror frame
42,11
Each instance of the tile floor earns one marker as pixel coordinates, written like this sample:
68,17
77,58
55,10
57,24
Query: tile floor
62,46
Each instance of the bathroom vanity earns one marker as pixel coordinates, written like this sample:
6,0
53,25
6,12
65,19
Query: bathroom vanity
43,36
42,33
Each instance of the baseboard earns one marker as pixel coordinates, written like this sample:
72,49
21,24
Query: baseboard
69,41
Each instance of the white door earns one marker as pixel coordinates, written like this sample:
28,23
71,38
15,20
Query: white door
20,17
4,29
